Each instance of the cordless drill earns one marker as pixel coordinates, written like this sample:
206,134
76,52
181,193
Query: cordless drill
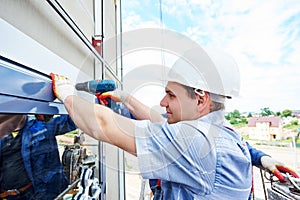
97,86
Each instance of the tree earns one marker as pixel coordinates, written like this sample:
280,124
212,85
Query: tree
233,121
286,113
249,115
278,114
236,118
236,114
294,122
266,112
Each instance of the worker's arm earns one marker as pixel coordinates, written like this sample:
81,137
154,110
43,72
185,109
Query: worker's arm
139,110
95,120
266,162
61,125
256,155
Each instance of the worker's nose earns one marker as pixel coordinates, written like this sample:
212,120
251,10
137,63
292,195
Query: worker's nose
163,102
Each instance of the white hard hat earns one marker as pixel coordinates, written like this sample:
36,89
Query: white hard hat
210,70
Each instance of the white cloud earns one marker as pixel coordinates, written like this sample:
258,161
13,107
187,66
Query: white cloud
263,37
134,21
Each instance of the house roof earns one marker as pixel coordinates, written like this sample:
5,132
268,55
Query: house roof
274,121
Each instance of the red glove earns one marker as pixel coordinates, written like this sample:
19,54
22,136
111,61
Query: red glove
106,98
277,172
277,168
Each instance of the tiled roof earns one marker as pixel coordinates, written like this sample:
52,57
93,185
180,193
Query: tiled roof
274,121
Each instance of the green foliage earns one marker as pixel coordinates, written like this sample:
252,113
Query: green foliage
266,112
249,115
244,120
235,118
233,121
294,127
227,117
235,114
278,114
286,113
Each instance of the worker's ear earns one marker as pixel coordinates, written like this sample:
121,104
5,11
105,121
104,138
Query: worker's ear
202,98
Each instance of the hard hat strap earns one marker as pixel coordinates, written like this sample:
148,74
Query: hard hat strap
201,93
214,97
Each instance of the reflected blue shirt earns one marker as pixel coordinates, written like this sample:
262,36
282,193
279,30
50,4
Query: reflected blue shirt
198,159
41,156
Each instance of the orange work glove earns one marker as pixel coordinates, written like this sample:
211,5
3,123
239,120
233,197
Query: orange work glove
116,95
107,98
277,168
62,86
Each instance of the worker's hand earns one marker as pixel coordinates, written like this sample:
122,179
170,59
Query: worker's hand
116,95
107,98
110,100
62,86
277,167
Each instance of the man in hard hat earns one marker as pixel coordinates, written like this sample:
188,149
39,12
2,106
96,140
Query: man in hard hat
30,166
141,111
193,154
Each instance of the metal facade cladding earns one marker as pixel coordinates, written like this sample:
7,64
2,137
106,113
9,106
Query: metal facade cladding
25,90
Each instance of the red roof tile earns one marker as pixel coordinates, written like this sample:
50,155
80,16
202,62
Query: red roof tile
274,121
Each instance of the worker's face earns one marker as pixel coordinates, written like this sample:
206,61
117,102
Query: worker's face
179,106
10,122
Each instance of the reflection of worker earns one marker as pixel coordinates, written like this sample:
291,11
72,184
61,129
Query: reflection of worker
193,154
30,166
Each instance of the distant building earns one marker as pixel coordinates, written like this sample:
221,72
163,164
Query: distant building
265,128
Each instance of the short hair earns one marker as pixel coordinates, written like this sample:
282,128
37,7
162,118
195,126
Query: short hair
214,106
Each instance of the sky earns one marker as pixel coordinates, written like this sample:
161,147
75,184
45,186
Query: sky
262,36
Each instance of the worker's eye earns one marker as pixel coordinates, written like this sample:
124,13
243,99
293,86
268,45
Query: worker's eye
171,95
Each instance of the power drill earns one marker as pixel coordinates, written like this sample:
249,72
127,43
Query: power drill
97,86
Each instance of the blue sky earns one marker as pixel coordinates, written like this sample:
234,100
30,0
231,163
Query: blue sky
262,36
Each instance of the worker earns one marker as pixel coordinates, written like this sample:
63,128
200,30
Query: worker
258,158
193,154
30,166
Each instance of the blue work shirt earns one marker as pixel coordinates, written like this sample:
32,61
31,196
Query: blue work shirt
41,157
256,156
198,159
254,153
